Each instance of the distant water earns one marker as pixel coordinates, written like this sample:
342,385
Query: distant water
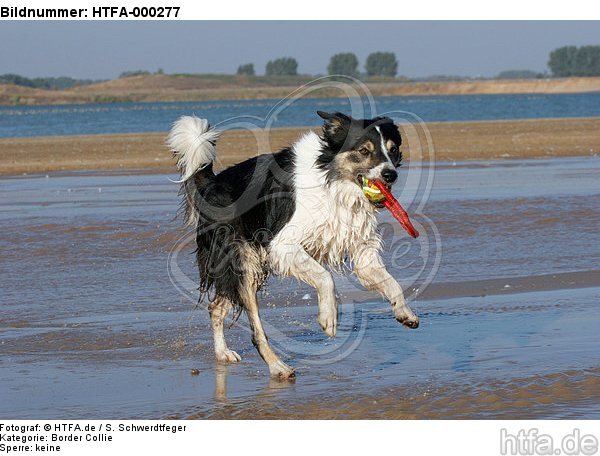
24,121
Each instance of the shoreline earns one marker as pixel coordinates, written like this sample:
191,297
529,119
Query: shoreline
170,88
439,291
147,153
476,288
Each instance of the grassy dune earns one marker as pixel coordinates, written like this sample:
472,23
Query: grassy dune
159,87
451,141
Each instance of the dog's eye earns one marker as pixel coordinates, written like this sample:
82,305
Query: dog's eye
364,151
394,150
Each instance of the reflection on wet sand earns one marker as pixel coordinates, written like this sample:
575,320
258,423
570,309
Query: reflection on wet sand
221,382
271,386
567,395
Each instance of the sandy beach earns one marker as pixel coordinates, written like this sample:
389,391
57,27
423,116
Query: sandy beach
451,141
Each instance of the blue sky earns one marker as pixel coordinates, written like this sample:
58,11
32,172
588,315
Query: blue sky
100,50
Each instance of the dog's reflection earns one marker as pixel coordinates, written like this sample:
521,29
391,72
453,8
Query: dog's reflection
221,372
221,382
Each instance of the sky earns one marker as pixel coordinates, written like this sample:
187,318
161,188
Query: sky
103,50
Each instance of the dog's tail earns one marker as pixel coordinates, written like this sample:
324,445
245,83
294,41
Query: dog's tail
194,143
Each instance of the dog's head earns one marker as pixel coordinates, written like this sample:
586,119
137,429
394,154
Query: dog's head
357,148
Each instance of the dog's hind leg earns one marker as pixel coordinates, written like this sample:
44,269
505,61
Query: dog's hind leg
218,310
372,273
277,368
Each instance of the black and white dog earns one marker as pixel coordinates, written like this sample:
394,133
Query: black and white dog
295,213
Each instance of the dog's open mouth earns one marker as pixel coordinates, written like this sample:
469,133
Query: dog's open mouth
361,180
379,194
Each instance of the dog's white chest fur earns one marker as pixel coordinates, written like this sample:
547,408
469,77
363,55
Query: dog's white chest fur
330,221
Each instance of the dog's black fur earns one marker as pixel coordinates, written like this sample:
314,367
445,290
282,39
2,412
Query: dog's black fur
242,207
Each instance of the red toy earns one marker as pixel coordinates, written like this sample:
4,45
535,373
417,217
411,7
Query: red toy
384,196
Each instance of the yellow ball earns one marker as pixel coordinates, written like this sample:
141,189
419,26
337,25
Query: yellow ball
372,193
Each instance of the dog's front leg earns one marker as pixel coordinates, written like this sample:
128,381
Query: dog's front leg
372,273
292,260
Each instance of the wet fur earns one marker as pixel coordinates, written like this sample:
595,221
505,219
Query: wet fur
291,213
240,210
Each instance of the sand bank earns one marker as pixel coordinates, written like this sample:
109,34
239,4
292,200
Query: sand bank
148,88
451,141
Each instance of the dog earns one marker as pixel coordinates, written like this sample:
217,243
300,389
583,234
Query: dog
299,212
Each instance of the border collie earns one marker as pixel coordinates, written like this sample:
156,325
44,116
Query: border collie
298,212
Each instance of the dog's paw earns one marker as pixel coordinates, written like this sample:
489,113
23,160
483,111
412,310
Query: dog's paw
228,356
281,371
328,322
409,322
406,316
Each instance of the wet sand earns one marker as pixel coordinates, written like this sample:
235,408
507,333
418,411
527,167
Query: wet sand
531,355
451,141
99,316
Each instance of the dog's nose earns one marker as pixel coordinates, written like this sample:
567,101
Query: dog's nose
389,175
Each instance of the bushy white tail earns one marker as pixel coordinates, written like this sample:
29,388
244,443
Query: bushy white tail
194,143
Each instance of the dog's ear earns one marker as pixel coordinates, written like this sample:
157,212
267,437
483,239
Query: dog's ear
335,124
389,126
383,120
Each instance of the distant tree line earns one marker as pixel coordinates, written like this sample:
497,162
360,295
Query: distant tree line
378,64
575,61
59,83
